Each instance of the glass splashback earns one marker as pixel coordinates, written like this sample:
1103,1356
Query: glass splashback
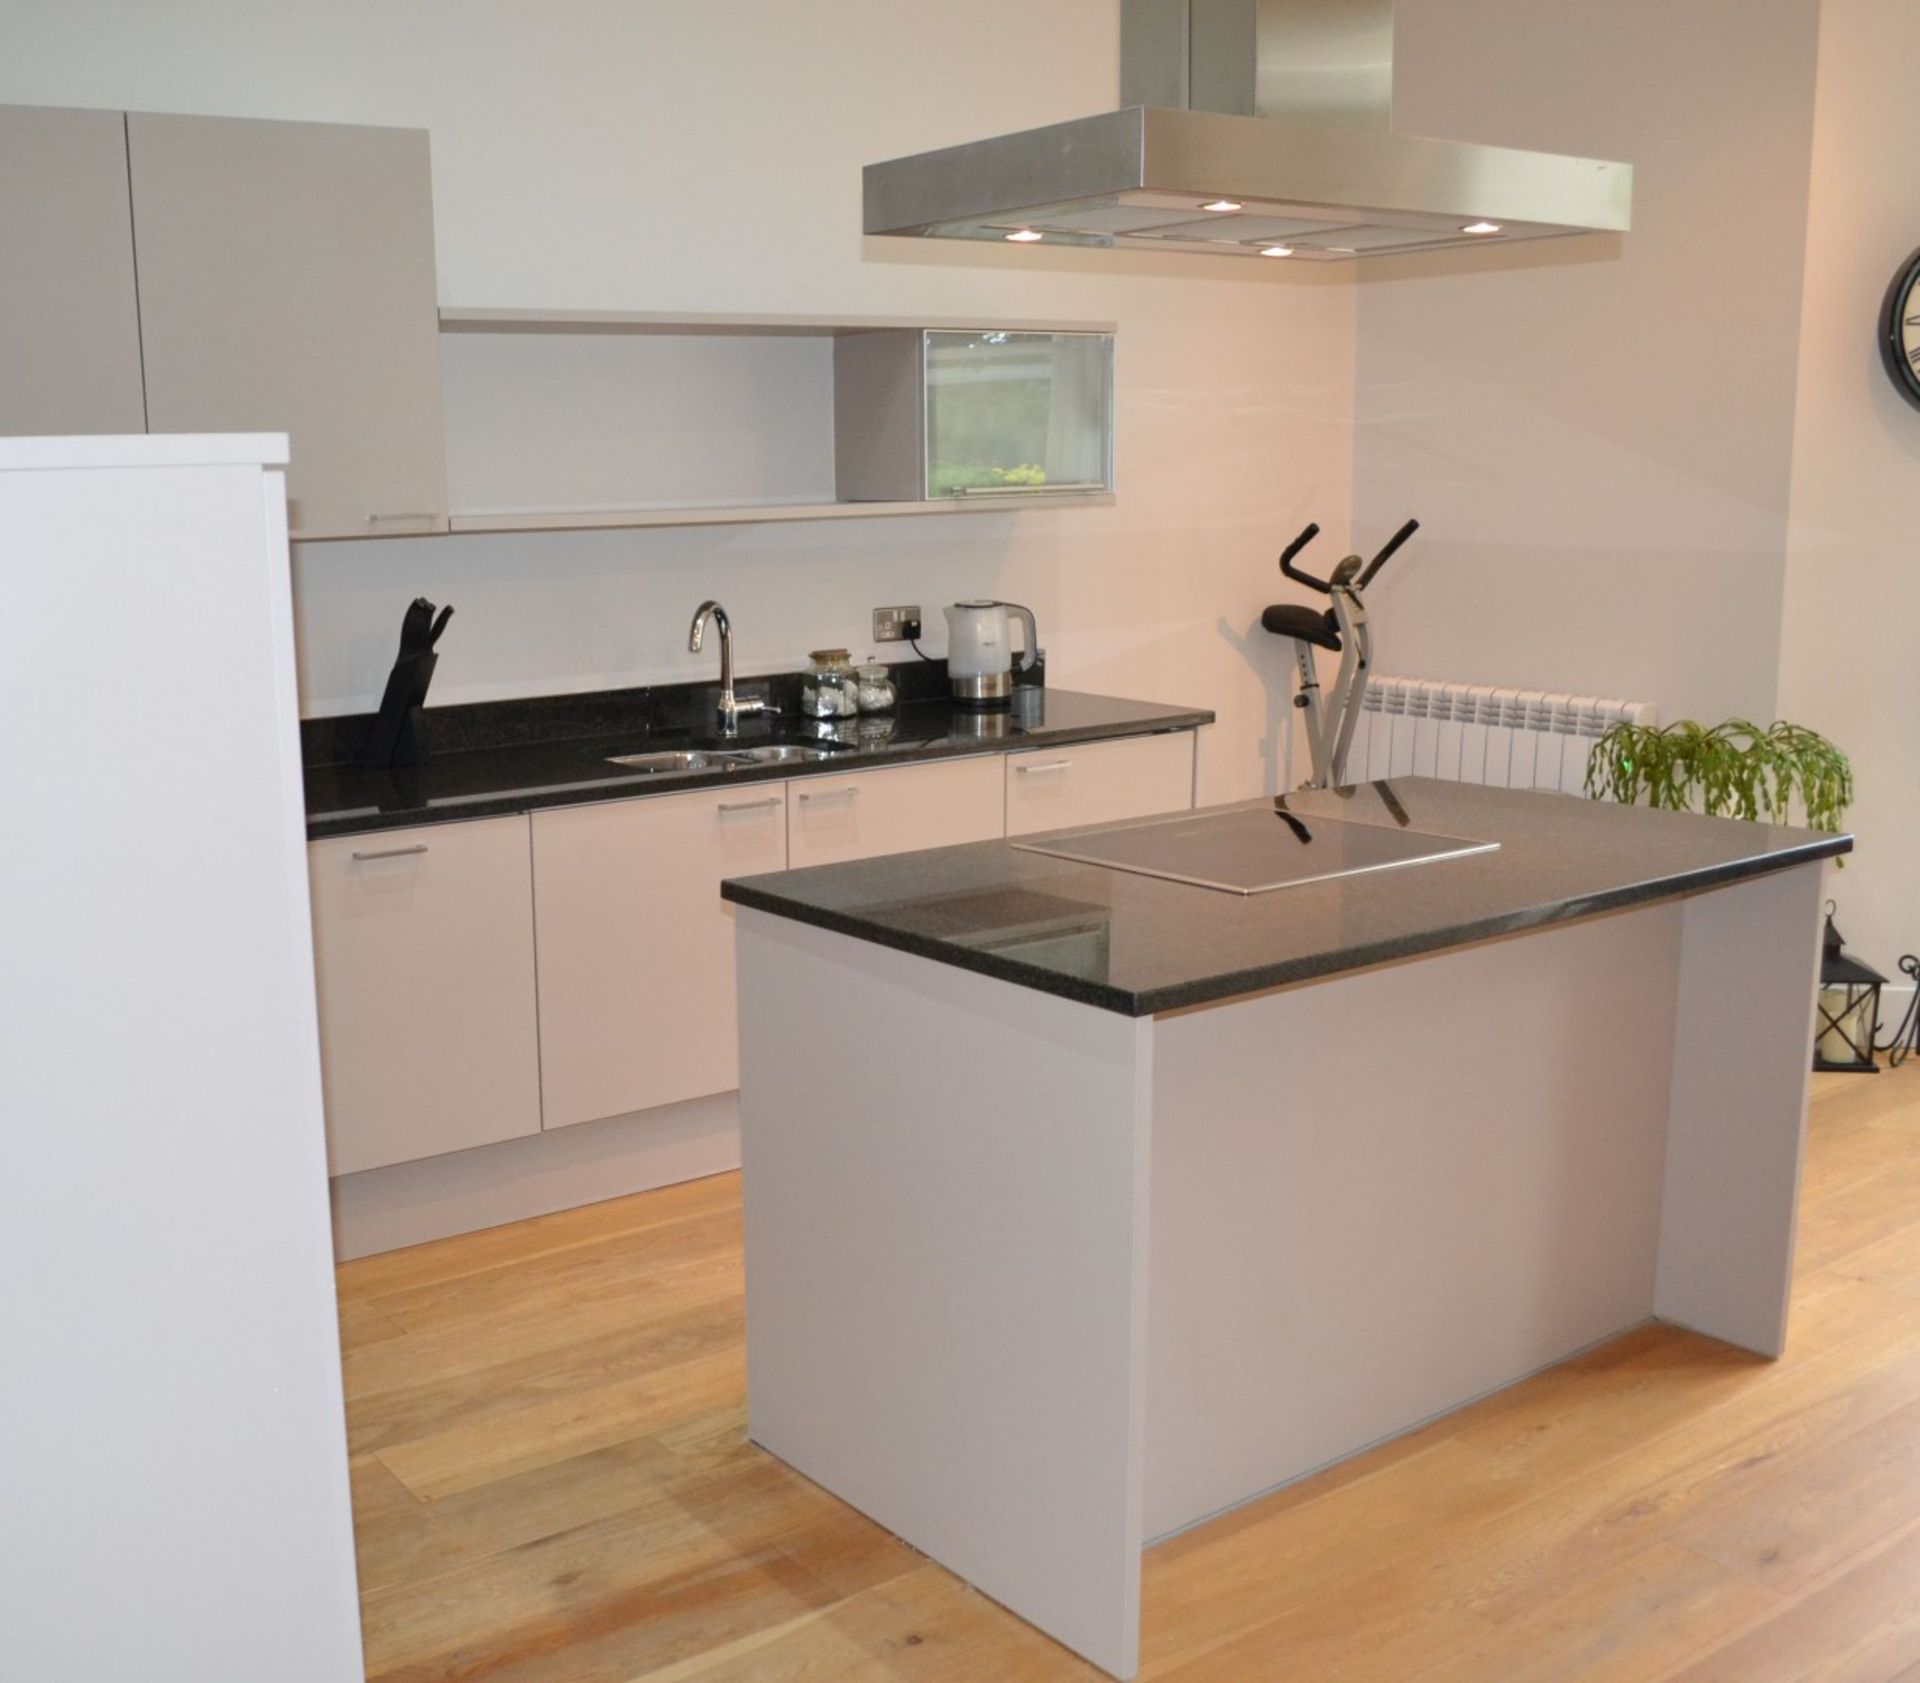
1012,414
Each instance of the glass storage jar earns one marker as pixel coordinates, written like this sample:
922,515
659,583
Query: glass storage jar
874,686
828,688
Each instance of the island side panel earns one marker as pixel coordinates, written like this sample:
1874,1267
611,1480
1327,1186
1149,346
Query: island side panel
945,1183
1378,1197
1749,967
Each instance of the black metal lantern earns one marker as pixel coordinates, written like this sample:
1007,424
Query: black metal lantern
1848,1009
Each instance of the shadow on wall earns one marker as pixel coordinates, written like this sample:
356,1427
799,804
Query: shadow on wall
1266,655
1568,251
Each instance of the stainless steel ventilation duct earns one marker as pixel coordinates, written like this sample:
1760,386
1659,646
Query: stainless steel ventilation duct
1251,128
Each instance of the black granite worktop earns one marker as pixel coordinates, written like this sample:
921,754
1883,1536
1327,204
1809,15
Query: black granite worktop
504,757
1140,944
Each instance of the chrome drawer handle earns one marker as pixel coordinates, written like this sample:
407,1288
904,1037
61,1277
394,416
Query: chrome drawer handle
1050,765
749,806
828,795
385,519
391,853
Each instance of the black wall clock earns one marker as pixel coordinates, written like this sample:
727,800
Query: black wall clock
1900,330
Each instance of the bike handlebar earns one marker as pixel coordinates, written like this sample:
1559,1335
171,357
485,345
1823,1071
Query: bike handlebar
1387,552
1293,572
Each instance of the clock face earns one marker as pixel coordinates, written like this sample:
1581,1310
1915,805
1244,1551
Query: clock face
1900,330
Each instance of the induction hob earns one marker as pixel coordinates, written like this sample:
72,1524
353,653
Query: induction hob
1251,849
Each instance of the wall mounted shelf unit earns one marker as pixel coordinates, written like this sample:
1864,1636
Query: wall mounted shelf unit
283,281
573,419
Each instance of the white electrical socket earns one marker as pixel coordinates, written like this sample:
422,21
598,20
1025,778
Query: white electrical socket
896,625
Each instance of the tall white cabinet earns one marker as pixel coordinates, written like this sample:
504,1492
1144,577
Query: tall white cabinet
175,1467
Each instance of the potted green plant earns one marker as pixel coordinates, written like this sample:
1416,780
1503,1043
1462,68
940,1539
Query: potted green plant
1736,769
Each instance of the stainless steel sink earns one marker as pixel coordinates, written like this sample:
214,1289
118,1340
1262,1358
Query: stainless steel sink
779,754
677,760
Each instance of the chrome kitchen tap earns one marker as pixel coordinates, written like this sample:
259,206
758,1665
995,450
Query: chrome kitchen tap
732,707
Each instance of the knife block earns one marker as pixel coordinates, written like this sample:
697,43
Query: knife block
398,737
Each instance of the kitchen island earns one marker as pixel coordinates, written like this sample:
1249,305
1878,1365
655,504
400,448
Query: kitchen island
1083,1203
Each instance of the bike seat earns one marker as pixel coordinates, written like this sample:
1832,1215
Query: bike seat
1308,625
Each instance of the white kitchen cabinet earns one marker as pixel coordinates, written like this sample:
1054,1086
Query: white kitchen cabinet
423,944
69,323
287,283
636,945
939,804
925,413
172,1424
1099,782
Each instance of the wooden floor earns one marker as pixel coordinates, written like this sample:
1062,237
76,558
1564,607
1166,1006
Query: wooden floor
551,1483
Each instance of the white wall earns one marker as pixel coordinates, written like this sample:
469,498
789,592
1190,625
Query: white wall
1848,663
650,154
1598,435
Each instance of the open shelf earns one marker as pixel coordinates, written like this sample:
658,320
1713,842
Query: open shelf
570,420
471,320
747,514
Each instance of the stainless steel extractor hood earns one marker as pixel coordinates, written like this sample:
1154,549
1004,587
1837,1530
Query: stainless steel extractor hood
1250,128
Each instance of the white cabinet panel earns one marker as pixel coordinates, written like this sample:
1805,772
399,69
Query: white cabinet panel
69,326
171,1425
1099,782
287,285
636,945
830,819
423,944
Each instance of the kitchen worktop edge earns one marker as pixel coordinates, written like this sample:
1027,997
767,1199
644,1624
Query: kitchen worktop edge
346,800
1413,926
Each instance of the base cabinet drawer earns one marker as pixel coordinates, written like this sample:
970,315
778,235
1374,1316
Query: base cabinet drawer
833,819
423,949
1099,782
636,945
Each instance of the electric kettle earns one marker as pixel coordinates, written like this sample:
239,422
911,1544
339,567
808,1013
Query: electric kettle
980,651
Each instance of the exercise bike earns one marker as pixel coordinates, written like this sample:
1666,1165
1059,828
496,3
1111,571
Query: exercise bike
1342,630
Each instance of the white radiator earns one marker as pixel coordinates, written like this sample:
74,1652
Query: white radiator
1475,733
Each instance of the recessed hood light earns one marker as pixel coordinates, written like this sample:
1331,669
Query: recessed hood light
1276,251
1275,113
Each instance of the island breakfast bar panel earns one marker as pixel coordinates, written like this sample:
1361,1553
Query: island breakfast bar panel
1047,1281
947,1257
1379,1197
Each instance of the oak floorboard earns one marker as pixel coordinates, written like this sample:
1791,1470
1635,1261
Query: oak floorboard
406,1414
365,1326
1859,1625
466,1254
1622,1625
404,1359
925,1628
604,1272
479,1451
1840,1497
553,1484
